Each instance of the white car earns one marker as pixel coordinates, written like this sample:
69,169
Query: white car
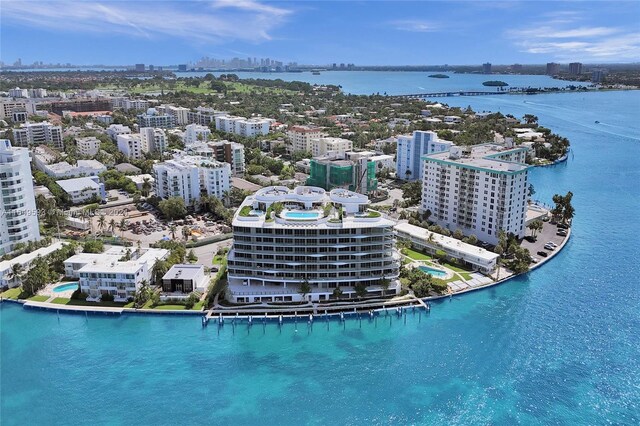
551,243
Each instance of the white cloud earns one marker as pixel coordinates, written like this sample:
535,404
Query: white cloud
206,21
558,39
414,25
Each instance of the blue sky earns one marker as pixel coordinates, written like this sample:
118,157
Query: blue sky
320,32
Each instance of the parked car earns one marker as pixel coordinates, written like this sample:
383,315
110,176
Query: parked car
542,253
561,234
530,238
534,259
548,247
563,226
551,243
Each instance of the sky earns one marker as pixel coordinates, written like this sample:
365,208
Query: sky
123,32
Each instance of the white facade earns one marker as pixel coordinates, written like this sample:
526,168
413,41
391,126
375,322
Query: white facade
116,130
38,133
425,240
106,273
410,150
89,146
46,160
84,189
131,145
272,256
322,146
481,191
18,93
183,279
247,127
130,104
300,137
8,106
189,176
195,133
180,113
154,119
24,260
18,214
153,140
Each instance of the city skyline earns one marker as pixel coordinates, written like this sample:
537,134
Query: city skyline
375,33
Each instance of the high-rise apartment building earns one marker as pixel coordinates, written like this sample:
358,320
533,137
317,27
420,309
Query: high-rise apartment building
283,238
410,150
38,133
480,190
18,213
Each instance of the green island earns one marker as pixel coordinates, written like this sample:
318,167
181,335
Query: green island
495,83
438,76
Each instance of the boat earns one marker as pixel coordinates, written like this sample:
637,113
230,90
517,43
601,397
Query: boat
315,72
597,122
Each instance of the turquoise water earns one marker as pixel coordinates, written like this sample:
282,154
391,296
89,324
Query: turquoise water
302,215
65,287
431,271
558,346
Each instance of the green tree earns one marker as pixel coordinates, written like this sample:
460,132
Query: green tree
173,208
361,289
305,288
191,257
337,292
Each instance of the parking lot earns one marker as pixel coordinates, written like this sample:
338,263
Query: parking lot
548,233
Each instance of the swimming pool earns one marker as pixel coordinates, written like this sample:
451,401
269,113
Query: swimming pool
65,287
437,273
301,215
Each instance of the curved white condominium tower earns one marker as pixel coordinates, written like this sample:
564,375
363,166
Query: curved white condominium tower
18,215
283,238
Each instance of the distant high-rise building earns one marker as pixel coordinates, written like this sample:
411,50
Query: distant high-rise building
553,68
151,67
140,67
182,67
575,68
598,75
486,68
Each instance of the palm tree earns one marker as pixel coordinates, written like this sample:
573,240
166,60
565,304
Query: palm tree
337,292
112,226
102,222
186,232
16,272
158,271
123,226
172,230
146,186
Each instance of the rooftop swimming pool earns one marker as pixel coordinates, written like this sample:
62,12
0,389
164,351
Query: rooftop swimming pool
437,273
301,215
65,287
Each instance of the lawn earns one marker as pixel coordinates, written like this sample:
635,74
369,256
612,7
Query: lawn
75,302
415,255
202,89
169,307
219,259
12,293
198,306
39,298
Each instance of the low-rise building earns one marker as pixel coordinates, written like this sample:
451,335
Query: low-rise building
7,279
132,146
116,130
84,189
300,137
184,279
152,118
188,177
119,271
88,146
38,133
326,145
8,106
247,127
196,133
285,238
422,239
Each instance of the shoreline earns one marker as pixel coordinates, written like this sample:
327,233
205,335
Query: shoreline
286,312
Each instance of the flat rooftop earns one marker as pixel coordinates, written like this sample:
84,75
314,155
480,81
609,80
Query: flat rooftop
183,272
